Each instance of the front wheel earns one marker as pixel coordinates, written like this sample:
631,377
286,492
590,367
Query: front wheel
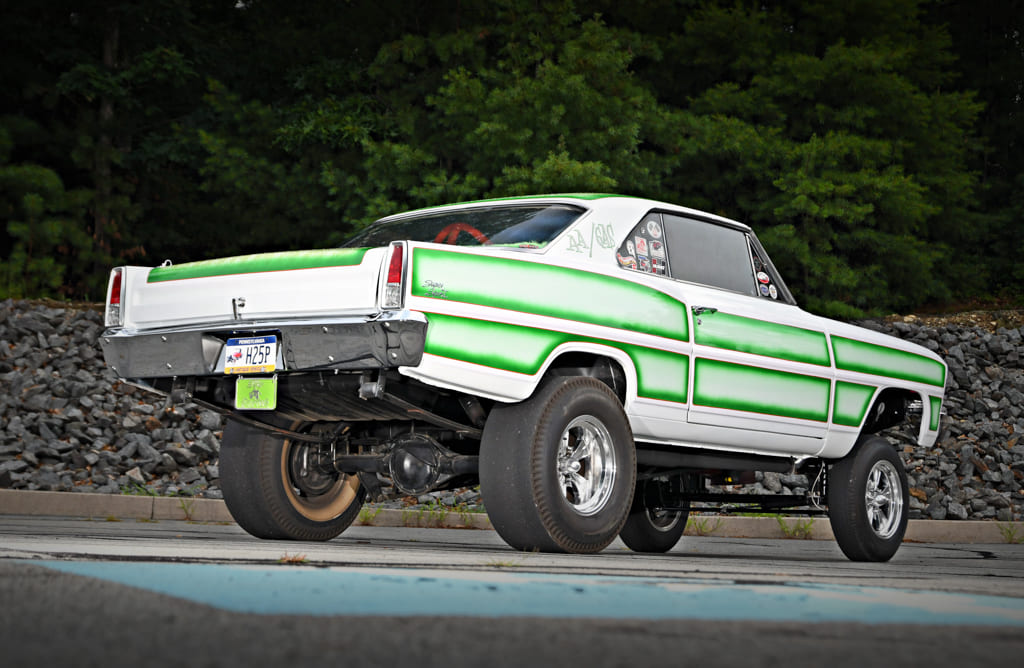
557,471
868,497
277,488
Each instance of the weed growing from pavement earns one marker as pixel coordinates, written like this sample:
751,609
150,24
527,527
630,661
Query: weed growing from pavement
430,515
1011,533
368,515
188,507
800,529
703,526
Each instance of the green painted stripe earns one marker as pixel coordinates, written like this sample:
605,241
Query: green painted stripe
888,362
851,403
250,264
660,374
936,406
747,335
558,292
756,390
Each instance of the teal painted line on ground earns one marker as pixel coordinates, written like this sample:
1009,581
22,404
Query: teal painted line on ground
300,590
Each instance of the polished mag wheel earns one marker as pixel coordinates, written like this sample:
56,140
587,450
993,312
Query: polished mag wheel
586,465
868,498
883,499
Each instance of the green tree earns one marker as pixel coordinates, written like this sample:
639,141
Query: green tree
44,236
831,129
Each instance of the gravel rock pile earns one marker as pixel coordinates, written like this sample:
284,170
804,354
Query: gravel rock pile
68,424
977,470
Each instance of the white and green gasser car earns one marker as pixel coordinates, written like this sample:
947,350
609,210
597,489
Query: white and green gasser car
594,362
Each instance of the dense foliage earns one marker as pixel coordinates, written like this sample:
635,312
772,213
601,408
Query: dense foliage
874,144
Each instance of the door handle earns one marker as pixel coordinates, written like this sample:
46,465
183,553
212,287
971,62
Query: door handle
699,310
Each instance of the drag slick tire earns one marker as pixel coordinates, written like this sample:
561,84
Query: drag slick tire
557,470
273,490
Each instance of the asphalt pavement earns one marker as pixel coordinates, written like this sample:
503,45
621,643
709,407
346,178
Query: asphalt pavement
108,592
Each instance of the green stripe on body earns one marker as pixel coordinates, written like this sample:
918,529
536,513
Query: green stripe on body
733,332
531,287
745,388
851,403
250,264
660,374
935,404
888,362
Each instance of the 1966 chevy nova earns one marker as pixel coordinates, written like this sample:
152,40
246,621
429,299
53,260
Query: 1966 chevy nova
597,363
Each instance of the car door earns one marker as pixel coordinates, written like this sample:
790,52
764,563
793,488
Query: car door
761,372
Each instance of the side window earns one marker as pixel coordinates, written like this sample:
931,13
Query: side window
644,249
709,254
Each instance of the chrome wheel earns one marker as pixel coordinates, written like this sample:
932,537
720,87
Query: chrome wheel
586,465
883,499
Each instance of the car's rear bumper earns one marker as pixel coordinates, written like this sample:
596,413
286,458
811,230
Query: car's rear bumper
343,343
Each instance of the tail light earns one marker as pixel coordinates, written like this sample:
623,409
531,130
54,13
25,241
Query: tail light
115,295
393,285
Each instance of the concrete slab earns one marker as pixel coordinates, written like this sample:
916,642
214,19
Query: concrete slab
72,504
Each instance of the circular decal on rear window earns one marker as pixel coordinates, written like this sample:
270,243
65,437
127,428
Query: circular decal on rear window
654,229
763,277
764,290
772,292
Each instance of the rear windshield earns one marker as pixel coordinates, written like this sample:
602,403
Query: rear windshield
524,226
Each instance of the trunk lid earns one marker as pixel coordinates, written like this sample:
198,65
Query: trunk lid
268,286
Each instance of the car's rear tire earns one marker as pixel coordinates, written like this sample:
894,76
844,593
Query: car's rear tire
649,528
273,491
868,499
557,470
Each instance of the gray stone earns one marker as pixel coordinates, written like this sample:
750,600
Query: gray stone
956,511
210,420
135,475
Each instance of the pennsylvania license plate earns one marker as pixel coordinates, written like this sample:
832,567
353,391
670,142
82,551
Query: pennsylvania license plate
256,394
256,354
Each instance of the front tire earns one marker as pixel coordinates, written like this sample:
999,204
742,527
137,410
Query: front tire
557,471
273,489
868,498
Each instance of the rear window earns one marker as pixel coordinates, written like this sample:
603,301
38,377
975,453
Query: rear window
525,226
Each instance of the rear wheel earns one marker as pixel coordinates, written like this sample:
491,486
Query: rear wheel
650,528
868,498
276,488
557,470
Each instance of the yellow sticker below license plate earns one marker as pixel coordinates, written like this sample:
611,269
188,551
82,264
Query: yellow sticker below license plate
255,393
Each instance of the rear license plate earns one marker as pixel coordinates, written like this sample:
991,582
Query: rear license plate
256,394
256,354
